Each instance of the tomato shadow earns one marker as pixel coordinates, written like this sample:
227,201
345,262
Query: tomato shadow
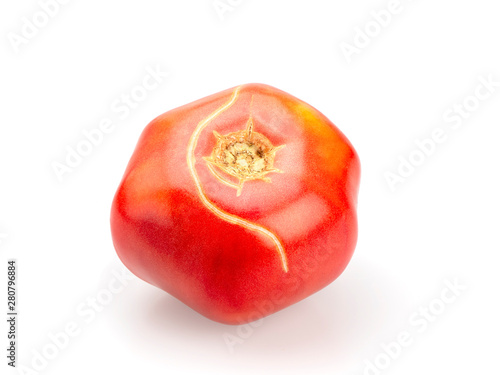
331,326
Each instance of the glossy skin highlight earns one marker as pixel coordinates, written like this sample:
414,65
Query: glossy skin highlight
236,258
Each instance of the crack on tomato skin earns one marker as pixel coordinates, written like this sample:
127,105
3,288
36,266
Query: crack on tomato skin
233,219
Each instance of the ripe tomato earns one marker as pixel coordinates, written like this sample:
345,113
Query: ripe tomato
239,204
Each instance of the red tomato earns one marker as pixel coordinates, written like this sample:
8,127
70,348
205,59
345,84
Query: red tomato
239,204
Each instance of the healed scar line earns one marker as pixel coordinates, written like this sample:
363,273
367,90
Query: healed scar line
233,219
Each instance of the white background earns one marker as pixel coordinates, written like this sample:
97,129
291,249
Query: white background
440,224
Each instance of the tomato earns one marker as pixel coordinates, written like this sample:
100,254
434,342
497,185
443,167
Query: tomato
239,204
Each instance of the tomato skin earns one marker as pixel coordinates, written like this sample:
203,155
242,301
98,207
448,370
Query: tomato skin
178,227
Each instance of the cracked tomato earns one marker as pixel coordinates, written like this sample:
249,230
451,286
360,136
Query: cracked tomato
239,204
